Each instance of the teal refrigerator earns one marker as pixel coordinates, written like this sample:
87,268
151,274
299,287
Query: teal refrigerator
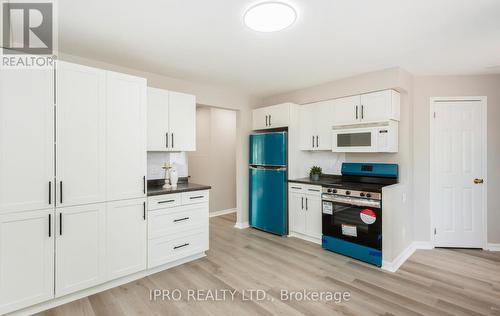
268,182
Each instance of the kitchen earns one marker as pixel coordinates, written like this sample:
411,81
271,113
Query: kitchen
367,184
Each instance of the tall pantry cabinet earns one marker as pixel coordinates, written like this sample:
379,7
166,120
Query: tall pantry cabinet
72,150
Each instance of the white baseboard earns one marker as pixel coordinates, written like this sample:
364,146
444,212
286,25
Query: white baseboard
242,225
493,247
393,266
305,237
222,212
102,287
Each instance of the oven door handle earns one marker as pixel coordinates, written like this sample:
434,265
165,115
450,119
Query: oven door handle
354,201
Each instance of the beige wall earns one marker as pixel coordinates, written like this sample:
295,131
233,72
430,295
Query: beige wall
448,86
214,160
206,95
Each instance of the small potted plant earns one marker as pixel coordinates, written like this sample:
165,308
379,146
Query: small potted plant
315,173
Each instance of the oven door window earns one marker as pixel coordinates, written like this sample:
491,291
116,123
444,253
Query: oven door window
354,139
357,224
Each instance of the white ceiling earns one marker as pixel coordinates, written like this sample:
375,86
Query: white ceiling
205,41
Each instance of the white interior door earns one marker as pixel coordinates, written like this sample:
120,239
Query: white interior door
81,134
126,141
26,139
158,132
125,237
26,259
80,247
458,150
182,121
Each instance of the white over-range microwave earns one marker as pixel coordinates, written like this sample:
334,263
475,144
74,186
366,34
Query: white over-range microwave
375,138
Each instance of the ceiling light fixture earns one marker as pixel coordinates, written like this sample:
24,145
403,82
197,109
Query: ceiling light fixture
270,16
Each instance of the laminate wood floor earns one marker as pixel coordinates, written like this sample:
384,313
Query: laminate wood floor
431,282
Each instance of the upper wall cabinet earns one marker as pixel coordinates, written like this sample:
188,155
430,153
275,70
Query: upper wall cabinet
26,139
377,106
316,121
274,116
171,121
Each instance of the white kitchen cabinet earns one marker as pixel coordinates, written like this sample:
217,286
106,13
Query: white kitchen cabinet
80,247
305,211
26,139
380,106
158,129
171,121
126,239
316,121
182,121
126,141
81,134
26,259
274,116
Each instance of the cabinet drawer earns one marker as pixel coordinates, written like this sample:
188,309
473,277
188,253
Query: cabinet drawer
167,249
313,189
296,187
194,197
169,221
164,201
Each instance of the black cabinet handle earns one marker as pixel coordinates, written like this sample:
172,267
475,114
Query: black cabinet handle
60,192
306,205
50,225
181,219
144,210
302,202
313,140
166,140
362,112
60,224
317,141
356,112
167,201
173,140
295,188
196,197
266,121
180,246
144,184
50,193
270,120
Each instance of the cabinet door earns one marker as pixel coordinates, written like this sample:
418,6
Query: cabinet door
346,110
307,127
26,139
279,115
126,141
260,119
80,247
324,122
81,134
297,213
376,106
182,121
313,216
158,133
26,259
125,237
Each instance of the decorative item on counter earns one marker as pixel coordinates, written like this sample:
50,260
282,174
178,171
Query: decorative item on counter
315,173
174,177
167,168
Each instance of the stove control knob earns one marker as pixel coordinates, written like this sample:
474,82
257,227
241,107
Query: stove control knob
368,195
329,190
347,192
362,194
334,190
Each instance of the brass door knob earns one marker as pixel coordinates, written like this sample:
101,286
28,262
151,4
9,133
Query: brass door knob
478,181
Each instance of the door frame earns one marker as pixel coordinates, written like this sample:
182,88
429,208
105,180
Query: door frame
432,161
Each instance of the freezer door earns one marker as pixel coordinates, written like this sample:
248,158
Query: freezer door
268,149
268,207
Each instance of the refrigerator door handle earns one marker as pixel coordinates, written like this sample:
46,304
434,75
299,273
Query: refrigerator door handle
269,169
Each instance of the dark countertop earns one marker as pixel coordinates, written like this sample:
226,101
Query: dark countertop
155,187
324,180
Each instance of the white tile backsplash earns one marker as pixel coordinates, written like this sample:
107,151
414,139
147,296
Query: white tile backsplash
157,159
330,162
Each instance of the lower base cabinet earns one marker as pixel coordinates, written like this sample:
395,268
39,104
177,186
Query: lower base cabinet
80,247
26,259
126,240
305,210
